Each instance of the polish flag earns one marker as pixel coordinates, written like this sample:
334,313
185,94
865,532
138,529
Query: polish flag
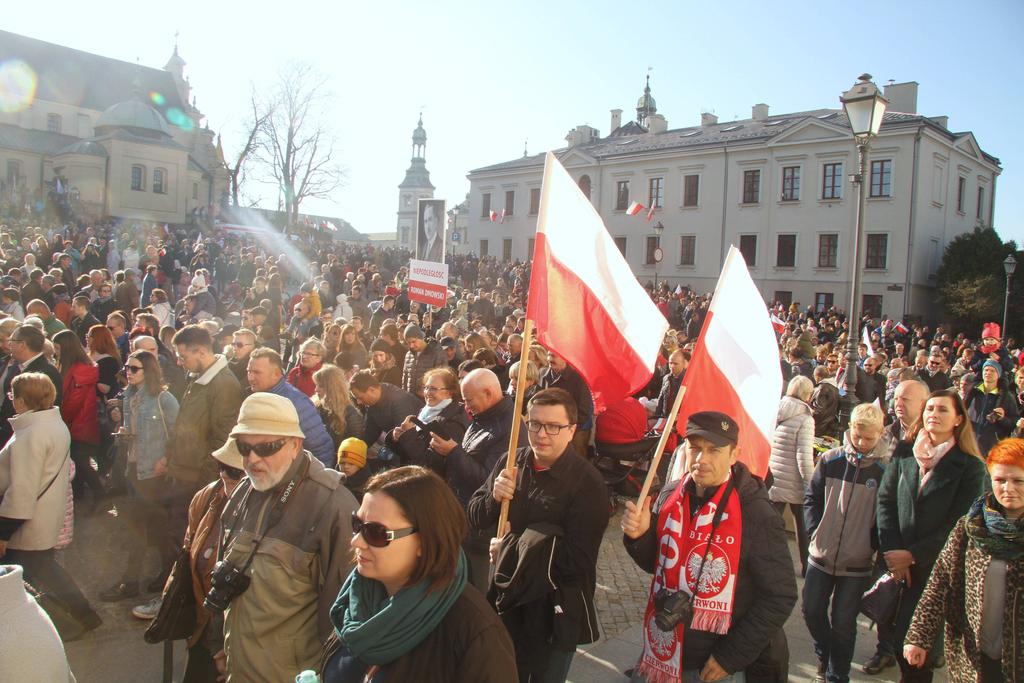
650,213
502,219
735,366
634,208
901,328
778,324
585,302
494,216
866,338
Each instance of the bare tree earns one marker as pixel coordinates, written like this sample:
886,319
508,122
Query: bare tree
297,148
255,130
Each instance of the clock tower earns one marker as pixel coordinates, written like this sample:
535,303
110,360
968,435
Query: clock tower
415,186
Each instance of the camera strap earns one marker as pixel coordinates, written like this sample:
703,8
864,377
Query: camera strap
715,521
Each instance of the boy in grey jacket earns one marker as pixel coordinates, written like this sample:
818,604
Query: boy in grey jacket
839,510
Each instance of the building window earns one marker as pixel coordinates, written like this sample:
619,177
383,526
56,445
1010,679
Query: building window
585,185
195,190
981,203
748,247
485,205
828,250
534,201
13,174
871,305
484,248
139,178
832,181
688,250
510,202
530,245
961,192
405,234
653,242
751,187
620,242
823,301
622,195
53,123
878,246
691,189
785,256
656,192
506,250
783,297
158,181
790,183
881,178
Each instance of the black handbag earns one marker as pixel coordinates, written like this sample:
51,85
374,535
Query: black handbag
881,602
176,619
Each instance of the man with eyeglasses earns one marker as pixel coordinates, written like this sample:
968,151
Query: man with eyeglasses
558,512
423,354
27,344
934,374
243,343
287,527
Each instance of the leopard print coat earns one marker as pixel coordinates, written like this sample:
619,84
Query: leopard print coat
954,595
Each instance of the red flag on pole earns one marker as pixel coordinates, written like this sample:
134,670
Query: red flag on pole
634,208
584,300
650,213
735,366
502,219
778,324
494,216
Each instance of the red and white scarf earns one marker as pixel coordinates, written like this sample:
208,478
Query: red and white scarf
682,541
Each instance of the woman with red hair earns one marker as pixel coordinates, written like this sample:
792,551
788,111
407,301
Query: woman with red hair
977,582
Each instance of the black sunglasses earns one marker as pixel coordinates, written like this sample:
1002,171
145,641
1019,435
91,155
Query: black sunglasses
376,534
131,369
263,450
232,472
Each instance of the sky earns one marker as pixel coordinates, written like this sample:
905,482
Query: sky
491,77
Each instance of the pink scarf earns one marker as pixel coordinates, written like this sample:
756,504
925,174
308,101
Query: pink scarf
928,455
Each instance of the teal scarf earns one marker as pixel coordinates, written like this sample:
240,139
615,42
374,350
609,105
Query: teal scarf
990,530
378,628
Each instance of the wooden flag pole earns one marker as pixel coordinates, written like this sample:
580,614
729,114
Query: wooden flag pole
670,426
510,461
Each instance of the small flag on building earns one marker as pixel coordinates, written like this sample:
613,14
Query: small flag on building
502,220
634,209
494,216
650,213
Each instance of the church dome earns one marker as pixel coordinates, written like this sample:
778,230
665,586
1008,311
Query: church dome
136,115
646,101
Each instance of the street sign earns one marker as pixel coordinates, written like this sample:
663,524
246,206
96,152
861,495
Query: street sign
455,236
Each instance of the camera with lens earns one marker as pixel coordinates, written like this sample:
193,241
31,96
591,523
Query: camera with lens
227,583
672,608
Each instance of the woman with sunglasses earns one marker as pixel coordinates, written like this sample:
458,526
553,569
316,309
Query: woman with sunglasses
149,412
407,612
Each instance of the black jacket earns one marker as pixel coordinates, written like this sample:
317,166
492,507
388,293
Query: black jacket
669,388
417,364
572,496
40,364
390,411
413,447
765,582
980,404
573,382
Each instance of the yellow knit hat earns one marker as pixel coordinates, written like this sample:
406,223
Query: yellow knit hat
352,450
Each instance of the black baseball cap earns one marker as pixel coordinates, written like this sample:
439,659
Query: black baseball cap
718,428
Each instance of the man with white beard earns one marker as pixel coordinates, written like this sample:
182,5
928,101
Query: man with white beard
286,530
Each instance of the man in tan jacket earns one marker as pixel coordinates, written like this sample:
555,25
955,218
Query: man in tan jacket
287,528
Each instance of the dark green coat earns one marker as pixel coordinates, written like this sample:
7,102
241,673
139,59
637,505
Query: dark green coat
921,521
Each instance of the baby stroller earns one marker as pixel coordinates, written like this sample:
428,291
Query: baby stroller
623,448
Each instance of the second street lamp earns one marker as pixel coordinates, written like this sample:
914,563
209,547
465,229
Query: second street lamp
865,109
659,253
1009,265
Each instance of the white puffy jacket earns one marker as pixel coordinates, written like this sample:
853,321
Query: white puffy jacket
792,458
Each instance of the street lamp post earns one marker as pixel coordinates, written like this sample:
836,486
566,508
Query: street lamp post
865,108
659,254
1009,265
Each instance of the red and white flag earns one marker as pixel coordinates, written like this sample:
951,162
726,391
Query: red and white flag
650,213
502,219
494,216
778,324
634,209
585,302
901,328
866,336
735,366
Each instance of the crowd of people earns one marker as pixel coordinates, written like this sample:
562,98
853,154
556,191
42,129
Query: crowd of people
326,460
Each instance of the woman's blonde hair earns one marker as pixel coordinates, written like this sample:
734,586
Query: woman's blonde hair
800,387
35,389
332,380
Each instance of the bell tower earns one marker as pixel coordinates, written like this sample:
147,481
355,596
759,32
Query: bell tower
415,186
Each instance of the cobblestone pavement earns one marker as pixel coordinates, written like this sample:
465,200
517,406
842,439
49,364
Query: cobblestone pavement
622,587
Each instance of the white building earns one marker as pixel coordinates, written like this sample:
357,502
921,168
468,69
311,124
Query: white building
776,186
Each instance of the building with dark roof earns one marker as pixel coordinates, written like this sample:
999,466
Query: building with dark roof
119,139
774,185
